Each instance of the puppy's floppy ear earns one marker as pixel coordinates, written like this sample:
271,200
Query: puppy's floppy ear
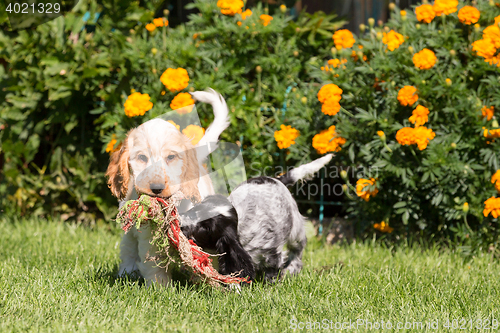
234,259
190,175
118,172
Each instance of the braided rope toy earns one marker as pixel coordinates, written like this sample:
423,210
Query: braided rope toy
173,246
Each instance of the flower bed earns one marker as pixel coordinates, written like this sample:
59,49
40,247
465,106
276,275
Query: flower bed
417,112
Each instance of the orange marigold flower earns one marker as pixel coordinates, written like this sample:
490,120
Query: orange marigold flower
110,147
331,107
334,62
487,112
265,19
425,13
160,22
329,91
405,136
175,125
357,56
384,227
354,55
497,19
230,7
445,7
343,38
419,116
328,140
246,14
491,134
150,27
194,133
495,179
424,59
137,104
182,103
493,60
286,136
175,79
407,95
421,136
484,48
393,40
492,33
468,15
492,205
363,188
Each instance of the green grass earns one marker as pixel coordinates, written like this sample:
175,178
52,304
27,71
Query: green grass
58,277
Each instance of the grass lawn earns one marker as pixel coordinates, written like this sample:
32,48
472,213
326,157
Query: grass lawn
57,277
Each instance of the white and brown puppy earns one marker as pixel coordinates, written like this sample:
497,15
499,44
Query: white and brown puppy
158,160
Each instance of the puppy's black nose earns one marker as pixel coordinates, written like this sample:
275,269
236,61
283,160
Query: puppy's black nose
156,188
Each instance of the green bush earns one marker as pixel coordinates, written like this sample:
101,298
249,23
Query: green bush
64,85
55,81
420,190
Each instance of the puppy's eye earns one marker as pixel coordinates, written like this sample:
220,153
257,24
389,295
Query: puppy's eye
170,157
142,158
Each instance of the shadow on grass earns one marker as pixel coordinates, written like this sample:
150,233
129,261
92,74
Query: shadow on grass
108,274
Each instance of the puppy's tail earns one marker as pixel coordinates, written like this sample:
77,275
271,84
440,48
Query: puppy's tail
221,121
304,171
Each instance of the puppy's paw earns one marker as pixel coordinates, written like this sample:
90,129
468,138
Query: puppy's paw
235,288
132,275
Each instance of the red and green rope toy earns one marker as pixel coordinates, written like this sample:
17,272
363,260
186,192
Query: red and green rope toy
167,237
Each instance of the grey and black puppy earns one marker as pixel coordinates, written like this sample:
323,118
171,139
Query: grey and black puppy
267,218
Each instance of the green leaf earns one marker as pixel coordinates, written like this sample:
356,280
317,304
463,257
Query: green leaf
400,204
351,153
60,93
56,68
70,125
406,217
90,72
